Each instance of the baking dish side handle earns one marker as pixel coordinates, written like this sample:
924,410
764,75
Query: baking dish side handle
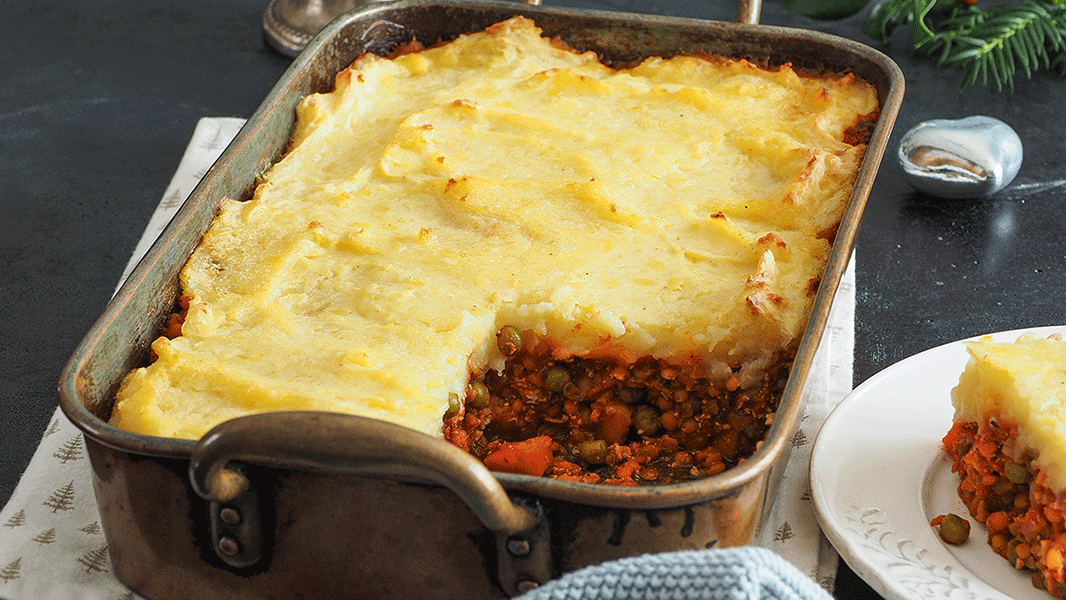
334,443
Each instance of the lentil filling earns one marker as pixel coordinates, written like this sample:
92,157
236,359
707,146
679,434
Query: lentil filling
605,421
1004,490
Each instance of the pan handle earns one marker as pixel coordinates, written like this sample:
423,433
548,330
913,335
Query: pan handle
334,443
340,443
748,11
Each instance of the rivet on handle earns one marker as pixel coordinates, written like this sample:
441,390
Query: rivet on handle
236,528
525,559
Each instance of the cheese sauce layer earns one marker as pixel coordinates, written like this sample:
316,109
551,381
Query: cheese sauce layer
681,209
1022,383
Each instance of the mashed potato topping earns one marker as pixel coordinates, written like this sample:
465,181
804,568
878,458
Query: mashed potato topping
1023,384
680,209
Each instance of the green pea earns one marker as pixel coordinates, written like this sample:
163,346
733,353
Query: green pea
593,451
646,420
1003,488
1012,550
954,529
478,395
509,340
1016,473
453,405
556,378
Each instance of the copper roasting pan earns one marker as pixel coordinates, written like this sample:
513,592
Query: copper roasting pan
316,505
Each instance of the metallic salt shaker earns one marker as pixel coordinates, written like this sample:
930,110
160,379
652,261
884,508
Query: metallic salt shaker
964,158
288,25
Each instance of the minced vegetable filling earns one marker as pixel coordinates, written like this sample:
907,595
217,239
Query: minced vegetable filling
1004,490
603,421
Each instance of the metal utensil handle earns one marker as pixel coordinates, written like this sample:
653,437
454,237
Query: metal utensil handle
748,11
339,443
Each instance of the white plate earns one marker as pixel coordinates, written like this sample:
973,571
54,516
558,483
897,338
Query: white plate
878,476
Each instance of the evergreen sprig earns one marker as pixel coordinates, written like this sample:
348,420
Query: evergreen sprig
991,44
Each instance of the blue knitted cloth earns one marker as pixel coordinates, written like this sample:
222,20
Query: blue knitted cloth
745,573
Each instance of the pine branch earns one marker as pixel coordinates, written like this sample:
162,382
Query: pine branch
991,45
888,15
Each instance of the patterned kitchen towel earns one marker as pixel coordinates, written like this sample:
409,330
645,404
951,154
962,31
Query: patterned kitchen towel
746,573
791,529
52,546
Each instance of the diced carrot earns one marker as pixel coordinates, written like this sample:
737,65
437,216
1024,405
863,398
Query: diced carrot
527,457
614,421
997,522
1054,559
958,431
998,542
986,447
627,469
1052,515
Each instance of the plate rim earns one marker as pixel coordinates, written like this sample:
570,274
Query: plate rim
848,549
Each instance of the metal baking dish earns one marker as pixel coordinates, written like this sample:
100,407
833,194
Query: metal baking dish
315,505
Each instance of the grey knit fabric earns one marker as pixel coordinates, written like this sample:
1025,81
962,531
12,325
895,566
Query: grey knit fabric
747,573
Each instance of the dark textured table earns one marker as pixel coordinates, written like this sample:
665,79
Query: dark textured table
98,99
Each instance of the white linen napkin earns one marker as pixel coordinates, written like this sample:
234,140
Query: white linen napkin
52,546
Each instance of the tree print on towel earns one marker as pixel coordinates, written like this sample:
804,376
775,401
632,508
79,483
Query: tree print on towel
783,533
53,428
17,520
11,571
62,498
46,537
95,561
72,450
